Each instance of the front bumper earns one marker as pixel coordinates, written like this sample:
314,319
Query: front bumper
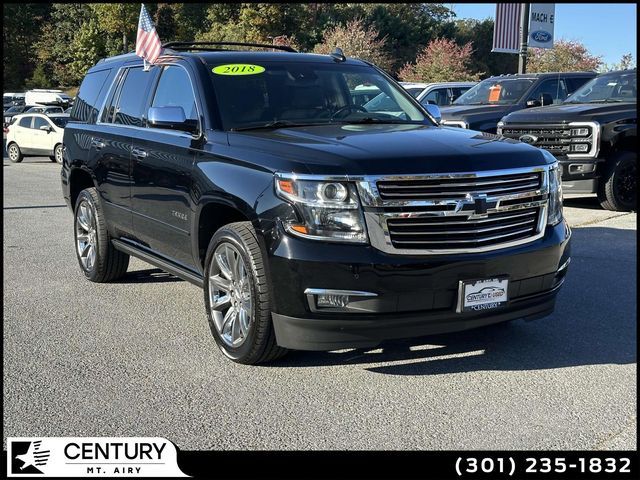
417,295
580,175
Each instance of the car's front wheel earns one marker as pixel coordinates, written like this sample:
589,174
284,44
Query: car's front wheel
617,190
98,259
15,155
57,154
236,296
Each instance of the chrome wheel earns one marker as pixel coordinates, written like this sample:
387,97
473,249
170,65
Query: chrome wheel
86,243
58,153
230,295
14,153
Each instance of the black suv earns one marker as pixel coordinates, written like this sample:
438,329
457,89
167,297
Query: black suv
309,222
593,135
482,106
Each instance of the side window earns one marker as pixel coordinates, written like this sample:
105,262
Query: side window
85,108
175,90
457,91
25,122
439,96
554,87
130,105
39,122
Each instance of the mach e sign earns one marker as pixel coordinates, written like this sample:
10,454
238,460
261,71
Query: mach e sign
541,21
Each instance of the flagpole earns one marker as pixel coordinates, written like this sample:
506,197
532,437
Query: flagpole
524,36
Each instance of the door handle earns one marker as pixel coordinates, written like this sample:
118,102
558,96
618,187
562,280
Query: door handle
139,153
97,143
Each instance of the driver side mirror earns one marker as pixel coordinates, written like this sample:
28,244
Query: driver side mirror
46,128
172,118
434,111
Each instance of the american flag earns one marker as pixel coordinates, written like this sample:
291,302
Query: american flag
506,29
148,44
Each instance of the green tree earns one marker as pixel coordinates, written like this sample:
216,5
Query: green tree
21,27
480,32
565,56
54,46
120,20
358,41
40,78
441,60
89,46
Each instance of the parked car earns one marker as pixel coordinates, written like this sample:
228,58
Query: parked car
47,97
441,94
12,100
34,135
364,93
10,112
310,222
593,133
48,110
482,106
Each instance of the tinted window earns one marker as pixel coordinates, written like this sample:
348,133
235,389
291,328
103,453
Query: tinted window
457,91
313,93
25,122
85,109
501,91
39,122
554,87
174,89
439,96
414,91
60,121
131,102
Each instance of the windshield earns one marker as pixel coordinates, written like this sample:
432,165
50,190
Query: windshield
619,87
14,110
59,121
505,91
275,94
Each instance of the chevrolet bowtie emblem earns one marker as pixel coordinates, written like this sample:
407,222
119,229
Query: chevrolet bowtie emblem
476,205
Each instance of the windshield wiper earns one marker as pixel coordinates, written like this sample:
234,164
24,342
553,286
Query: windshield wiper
275,124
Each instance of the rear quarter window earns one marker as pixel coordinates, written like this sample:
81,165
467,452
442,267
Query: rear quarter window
25,122
92,91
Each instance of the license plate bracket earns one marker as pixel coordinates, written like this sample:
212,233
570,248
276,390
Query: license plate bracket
482,294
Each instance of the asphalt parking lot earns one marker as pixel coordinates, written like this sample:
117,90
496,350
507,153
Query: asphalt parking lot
136,358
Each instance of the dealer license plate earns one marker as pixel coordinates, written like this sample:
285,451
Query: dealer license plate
479,295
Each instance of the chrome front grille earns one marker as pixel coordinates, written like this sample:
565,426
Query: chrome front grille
459,187
455,213
575,139
450,232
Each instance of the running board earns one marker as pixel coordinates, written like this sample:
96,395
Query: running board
167,266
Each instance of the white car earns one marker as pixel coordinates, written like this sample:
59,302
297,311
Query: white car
440,94
36,134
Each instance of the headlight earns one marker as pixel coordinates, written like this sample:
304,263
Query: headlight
328,210
555,195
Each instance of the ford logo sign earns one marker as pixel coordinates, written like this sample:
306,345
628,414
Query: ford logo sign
541,36
530,139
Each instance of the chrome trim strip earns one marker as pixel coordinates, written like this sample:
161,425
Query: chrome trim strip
564,265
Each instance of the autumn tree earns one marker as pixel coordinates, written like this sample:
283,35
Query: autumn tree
626,62
357,41
442,60
565,56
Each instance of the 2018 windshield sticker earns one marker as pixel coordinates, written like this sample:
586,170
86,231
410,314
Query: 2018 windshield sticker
238,69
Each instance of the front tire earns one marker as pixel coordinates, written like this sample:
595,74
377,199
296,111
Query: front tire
98,259
57,154
14,152
617,189
236,296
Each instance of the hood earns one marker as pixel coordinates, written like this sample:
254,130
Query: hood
380,150
572,112
477,116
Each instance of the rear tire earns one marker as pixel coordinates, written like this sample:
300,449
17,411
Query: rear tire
98,259
236,296
617,189
14,153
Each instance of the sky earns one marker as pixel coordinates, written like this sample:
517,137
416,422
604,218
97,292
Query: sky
607,29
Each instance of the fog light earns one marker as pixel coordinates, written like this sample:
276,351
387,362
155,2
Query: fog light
326,300
333,301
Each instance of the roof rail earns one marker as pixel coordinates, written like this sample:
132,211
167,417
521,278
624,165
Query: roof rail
189,45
